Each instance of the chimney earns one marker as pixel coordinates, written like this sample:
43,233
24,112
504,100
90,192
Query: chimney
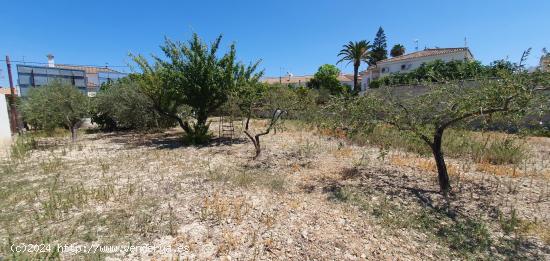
51,62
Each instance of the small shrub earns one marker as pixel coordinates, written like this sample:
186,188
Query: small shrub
244,179
197,135
509,225
22,146
276,183
505,151
7,169
389,137
467,236
342,194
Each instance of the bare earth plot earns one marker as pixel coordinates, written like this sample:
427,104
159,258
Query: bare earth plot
308,197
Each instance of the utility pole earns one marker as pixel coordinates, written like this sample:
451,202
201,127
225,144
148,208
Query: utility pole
13,109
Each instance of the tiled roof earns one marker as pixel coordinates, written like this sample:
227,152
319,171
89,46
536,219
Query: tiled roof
87,69
425,53
346,77
6,90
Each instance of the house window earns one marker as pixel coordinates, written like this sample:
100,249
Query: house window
384,70
403,66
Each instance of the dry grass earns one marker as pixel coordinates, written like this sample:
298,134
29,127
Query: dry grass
499,170
424,164
307,197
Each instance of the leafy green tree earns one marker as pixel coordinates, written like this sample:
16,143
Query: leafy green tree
397,50
193,75
433,109
249,90
355,52
500,65
55,105
379,48
121,105
326,77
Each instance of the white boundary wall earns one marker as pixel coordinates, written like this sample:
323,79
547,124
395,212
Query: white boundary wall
5,131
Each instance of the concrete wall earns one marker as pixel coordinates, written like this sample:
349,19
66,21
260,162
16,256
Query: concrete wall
5,132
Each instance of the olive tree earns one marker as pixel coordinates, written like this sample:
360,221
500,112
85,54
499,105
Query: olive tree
121,105
55,105
428,111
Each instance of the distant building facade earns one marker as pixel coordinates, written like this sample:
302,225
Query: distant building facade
95,76
408,62
301,81
545,63
87,79
36,76
290,80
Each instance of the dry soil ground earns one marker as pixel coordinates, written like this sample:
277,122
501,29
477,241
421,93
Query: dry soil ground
308,197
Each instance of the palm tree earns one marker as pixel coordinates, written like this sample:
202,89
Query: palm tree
397,50
355,52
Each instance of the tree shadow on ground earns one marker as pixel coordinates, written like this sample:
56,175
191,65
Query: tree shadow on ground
161,140
473,200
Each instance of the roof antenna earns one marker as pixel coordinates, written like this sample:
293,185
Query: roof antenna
416,44
465,41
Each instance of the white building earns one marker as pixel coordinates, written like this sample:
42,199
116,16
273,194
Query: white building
408,62
545,63
5,130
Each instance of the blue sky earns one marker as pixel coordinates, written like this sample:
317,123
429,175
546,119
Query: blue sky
295,36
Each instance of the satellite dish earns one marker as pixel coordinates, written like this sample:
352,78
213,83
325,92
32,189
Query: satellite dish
289,74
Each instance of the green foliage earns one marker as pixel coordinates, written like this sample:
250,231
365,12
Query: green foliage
55,105
326,78
193,75
438,72
468,236
379,48
22,145
505,151
121,105
397,50
248,91
426,112
509,224
299,103
355,52
457,144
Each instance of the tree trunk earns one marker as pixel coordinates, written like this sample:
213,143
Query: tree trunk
442,174
73,133
202,117
256,138
356,88
200,127
258,148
